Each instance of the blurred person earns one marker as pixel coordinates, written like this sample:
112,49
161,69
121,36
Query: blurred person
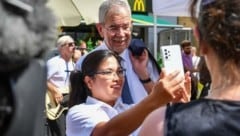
83,48
77,54
58,73
28,31
115,27
187,55
204,77
218,114
195,57
186,46
99,42
195,61
95,108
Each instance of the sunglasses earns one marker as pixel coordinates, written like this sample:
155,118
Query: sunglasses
71,44
79,48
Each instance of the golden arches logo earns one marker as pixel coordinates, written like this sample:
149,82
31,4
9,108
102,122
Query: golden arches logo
139,6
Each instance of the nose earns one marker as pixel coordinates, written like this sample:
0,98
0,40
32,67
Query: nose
120,31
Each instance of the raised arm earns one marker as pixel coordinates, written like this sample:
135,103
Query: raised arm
125,123
140,67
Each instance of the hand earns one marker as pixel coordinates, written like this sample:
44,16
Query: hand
184,95
139,64
58,97
167,88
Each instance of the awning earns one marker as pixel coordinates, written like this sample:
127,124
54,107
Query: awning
171,7
65,11
73,12
88,9
147,20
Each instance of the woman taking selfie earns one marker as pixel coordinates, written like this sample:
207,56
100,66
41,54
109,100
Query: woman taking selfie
95,103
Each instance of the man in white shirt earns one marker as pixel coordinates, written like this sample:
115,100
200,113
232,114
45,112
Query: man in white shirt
115,26
58,73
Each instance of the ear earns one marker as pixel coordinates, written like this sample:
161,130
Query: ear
100,29
88,81
203,47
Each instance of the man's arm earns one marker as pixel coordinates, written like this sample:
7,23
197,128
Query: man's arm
163,92
140,67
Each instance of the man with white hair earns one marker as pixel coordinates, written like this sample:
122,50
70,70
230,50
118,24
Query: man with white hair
59,68
115,27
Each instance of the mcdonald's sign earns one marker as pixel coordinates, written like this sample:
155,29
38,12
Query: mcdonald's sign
140,6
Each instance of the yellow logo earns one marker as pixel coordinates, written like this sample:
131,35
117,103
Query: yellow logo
139,6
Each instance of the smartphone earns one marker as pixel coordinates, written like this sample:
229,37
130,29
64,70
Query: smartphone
172,58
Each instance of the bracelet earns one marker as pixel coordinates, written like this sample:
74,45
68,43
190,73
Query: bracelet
145,80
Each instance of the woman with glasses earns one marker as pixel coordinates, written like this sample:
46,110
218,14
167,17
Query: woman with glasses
218,114
95,105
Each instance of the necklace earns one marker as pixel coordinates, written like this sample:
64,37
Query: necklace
230,92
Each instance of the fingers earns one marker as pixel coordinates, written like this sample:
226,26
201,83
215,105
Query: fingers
174,83
58,99
173,87
187,85
177,85
145,53
184,94
163,73
170,76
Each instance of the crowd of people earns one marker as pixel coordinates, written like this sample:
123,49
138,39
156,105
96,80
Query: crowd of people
118,89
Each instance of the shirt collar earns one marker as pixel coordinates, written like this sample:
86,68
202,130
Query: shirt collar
124,54
91,100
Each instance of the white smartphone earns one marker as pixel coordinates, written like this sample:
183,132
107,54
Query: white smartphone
172,58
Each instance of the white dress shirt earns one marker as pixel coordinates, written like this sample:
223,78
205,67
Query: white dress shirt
137,89
81,119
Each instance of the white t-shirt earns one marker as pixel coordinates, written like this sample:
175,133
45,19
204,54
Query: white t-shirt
137,89
81,119
196,60
58,71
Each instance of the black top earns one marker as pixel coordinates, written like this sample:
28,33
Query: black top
203,117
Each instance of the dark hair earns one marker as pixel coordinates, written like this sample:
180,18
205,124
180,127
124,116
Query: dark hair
185,43
79,90
219,25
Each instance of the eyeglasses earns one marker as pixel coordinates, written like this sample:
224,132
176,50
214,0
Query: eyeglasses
110,73
79,48
115,29
71,44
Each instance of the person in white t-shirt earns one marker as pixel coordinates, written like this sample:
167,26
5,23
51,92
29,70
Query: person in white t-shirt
195,61
58,73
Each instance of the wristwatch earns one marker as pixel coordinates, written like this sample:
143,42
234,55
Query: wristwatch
144,81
